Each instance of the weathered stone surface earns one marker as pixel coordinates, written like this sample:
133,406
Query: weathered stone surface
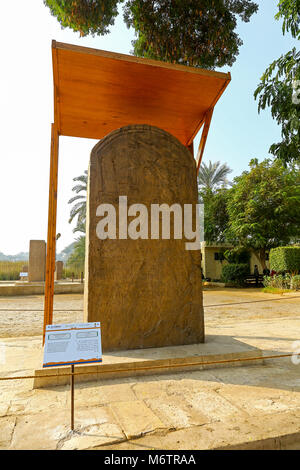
37,260
145,293
142,419
7,426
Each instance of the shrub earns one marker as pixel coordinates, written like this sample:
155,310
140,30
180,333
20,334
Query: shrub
235,273
280,281
10,270
11,276
295,283
285,258
267,282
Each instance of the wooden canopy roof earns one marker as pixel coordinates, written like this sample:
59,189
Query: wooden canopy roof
97,91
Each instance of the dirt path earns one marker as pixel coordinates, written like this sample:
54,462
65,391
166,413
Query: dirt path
23,316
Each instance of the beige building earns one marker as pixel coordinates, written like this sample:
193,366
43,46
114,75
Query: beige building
213,260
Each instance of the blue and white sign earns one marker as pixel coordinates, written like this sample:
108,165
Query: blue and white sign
72,343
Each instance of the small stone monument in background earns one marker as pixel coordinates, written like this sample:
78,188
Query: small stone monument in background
59,266
37,260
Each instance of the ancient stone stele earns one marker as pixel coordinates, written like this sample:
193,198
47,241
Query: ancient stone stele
145,292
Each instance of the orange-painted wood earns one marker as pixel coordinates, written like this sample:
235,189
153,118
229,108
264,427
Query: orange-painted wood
51,237
98,91
203,139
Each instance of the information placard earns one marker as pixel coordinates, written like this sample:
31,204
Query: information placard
72,343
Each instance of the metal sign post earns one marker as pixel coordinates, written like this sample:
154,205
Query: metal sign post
70,344
72,396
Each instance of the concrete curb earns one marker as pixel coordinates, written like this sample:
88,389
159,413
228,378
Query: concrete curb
38,289
132,367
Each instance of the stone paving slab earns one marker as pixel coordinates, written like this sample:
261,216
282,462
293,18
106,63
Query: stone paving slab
191,410
51,430
142,419
276,432
7,425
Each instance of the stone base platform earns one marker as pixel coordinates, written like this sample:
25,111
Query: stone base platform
11,289
156,361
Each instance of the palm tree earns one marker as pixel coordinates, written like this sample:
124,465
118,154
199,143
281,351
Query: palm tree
79,209
213,175
75,261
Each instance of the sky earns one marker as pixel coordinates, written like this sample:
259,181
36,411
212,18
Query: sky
237,134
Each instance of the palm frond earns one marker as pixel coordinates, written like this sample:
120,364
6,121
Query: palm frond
78,188
75,198
213,175
79,208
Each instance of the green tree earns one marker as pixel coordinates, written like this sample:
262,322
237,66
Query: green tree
289,11
85,16
279,88
264,207
193,32
212,182
79,209
215,214
213,175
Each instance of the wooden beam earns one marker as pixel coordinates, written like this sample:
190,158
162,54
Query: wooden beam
139,60
200,124
55,86
203,139
190,147
51,238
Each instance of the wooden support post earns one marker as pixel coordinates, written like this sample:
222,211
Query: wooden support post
190,147
51,238
204,137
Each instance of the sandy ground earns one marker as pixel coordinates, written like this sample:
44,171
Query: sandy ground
23,316
251,407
